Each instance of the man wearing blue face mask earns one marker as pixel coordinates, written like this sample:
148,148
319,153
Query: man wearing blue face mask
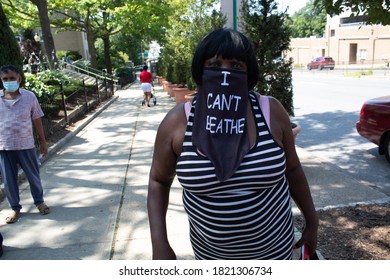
19,113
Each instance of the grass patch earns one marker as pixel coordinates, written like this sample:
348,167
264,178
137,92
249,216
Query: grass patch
359,74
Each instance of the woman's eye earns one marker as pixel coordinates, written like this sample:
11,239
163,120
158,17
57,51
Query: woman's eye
237,65
214,64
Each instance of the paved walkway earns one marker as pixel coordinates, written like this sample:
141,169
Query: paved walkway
96,185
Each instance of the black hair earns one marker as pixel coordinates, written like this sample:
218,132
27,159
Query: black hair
6,68
11,68
227,44
145,67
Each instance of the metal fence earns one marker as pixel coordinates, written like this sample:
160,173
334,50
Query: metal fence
71,107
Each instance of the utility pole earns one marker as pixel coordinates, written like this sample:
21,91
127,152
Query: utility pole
235,14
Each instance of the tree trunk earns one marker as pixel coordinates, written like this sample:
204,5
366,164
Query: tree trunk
48,40
91,38
106,45
107,57
92,50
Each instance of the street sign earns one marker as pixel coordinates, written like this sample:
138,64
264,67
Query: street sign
143,55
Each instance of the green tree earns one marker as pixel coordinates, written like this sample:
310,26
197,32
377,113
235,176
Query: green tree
267,29
310,20
9,48
129,44
77,16
25,15
191,21
102,19
22,14
376,11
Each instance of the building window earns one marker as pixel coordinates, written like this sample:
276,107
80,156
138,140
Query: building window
353,20
363,54
332,33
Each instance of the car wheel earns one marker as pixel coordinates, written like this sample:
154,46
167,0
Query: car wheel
320,67
386,147
331,68
309,67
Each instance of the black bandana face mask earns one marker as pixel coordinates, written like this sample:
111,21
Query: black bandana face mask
220,128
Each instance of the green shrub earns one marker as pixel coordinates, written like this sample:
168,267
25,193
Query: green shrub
265,26
46,85
74,55
9,48
54,77
61,54
41,90
51,110
125,74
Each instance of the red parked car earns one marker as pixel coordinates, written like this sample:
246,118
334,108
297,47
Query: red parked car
374,123
321,63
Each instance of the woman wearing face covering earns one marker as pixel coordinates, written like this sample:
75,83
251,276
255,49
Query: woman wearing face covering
235,160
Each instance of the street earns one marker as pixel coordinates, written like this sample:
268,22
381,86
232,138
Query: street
327,106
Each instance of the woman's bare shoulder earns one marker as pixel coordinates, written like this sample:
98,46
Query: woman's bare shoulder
172,129
175,116
277,108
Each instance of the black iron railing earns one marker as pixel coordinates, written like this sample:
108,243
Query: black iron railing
71,107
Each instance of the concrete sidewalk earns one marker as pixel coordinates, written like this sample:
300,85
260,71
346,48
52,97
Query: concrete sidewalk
96,185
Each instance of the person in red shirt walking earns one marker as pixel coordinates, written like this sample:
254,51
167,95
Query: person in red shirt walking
146,79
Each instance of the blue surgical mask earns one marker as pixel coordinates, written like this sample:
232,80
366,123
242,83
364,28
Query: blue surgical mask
11,86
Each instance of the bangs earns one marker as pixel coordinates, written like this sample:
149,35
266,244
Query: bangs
227,46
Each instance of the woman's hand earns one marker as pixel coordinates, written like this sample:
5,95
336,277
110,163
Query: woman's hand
163,252
309,238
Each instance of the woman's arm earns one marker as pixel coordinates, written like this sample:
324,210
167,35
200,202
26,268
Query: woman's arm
167,147
298,184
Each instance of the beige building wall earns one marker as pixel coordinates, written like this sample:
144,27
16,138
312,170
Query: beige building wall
71,40
303,50
350,45
364,44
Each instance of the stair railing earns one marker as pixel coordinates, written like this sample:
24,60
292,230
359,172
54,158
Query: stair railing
98,74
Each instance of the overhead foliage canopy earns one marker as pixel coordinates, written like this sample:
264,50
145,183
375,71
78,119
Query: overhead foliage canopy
189,23
100,19
377,11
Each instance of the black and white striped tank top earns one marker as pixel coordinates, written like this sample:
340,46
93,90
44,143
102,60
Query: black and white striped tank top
247,216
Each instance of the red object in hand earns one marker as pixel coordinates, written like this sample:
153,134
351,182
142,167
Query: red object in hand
305,255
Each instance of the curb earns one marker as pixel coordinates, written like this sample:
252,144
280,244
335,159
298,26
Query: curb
57,146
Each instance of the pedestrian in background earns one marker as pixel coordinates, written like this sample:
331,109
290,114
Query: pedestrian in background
146,79
20,112
234,154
